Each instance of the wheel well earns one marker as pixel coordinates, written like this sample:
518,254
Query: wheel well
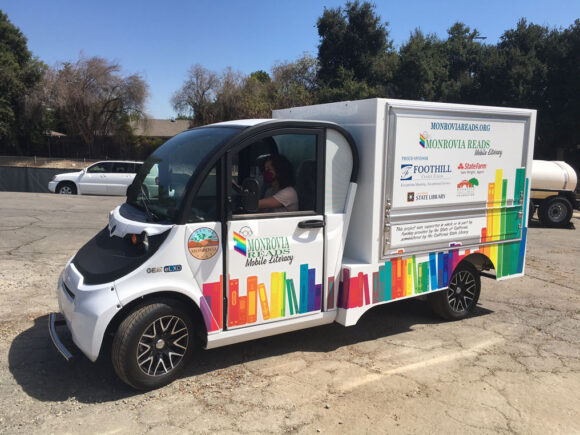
480,261
66,182
147,299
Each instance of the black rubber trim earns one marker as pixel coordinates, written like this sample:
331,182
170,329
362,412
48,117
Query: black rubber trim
104,259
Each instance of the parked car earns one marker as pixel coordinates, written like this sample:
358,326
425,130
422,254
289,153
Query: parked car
102,178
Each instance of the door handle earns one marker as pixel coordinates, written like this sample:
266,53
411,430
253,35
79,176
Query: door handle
311,224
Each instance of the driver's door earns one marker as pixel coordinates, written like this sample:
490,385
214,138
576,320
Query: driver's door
274,259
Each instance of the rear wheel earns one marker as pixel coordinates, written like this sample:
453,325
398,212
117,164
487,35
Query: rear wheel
461,297
66,188
153,345
555,212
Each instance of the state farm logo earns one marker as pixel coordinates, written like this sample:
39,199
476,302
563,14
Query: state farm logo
472,166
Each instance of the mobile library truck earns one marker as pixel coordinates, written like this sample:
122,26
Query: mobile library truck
383,200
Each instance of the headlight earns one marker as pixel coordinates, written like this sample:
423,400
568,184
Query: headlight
139,240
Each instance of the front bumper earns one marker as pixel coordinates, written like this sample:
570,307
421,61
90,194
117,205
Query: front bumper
87,310
52,186
55,320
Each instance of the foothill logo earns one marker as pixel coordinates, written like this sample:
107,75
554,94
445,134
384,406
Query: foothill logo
423,171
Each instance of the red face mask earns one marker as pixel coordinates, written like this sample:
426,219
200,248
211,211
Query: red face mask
268,177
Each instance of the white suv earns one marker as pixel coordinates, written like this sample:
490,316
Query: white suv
102,178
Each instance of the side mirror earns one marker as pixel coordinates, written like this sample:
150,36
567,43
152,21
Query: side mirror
250,195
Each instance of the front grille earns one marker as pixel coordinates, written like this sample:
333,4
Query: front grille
68,291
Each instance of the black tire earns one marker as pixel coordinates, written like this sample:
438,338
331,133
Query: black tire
66,188
460,298
555,212
153,344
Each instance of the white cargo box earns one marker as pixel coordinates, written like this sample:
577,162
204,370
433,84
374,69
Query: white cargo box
433,176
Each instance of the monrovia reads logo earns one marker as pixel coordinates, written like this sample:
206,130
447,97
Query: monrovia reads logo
263,250
453,144
240,244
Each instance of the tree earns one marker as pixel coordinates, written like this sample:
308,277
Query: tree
422,67
294,83
560,113
353,42
19,73
197,95
91,98
463,52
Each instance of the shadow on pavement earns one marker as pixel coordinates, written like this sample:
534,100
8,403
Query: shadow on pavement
43,374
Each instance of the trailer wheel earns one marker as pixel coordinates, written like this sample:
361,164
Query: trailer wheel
66,188
153,344
555,212
460,298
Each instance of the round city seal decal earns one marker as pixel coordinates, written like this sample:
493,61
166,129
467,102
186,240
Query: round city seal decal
203,243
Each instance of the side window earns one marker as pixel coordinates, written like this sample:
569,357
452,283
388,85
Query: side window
204,207
121,168
135,168
285,167
100,168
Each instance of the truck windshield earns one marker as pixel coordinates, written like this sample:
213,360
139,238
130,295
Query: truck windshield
160,186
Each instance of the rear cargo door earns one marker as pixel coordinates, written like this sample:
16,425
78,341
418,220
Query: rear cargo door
453,178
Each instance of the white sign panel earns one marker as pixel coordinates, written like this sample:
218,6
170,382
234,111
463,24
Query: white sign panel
441,160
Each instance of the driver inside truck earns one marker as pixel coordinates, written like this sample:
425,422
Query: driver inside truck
280,196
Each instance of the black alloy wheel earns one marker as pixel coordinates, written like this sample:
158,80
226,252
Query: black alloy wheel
460,298
153,344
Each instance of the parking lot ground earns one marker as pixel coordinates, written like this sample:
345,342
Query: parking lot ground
513,367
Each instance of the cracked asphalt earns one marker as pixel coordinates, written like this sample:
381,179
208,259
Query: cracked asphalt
513,367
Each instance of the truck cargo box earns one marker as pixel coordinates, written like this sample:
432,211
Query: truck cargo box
432,175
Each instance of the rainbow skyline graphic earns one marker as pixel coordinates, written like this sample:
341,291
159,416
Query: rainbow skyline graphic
422,140
402,277
283,300
395,278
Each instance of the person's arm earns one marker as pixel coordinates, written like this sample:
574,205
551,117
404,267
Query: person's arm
269,202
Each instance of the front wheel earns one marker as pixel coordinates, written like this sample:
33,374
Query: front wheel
153,344
461,297
66,188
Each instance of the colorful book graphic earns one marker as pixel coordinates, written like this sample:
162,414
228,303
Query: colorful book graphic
243,310
292,303
264,301
331,293
252,299
212,293
233,303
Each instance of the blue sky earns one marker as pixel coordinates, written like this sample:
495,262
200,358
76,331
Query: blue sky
161,40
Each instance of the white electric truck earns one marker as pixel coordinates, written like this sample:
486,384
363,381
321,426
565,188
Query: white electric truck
395,199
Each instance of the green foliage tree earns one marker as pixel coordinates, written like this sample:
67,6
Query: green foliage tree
463,52
294,83
423,67
354,53
19,74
